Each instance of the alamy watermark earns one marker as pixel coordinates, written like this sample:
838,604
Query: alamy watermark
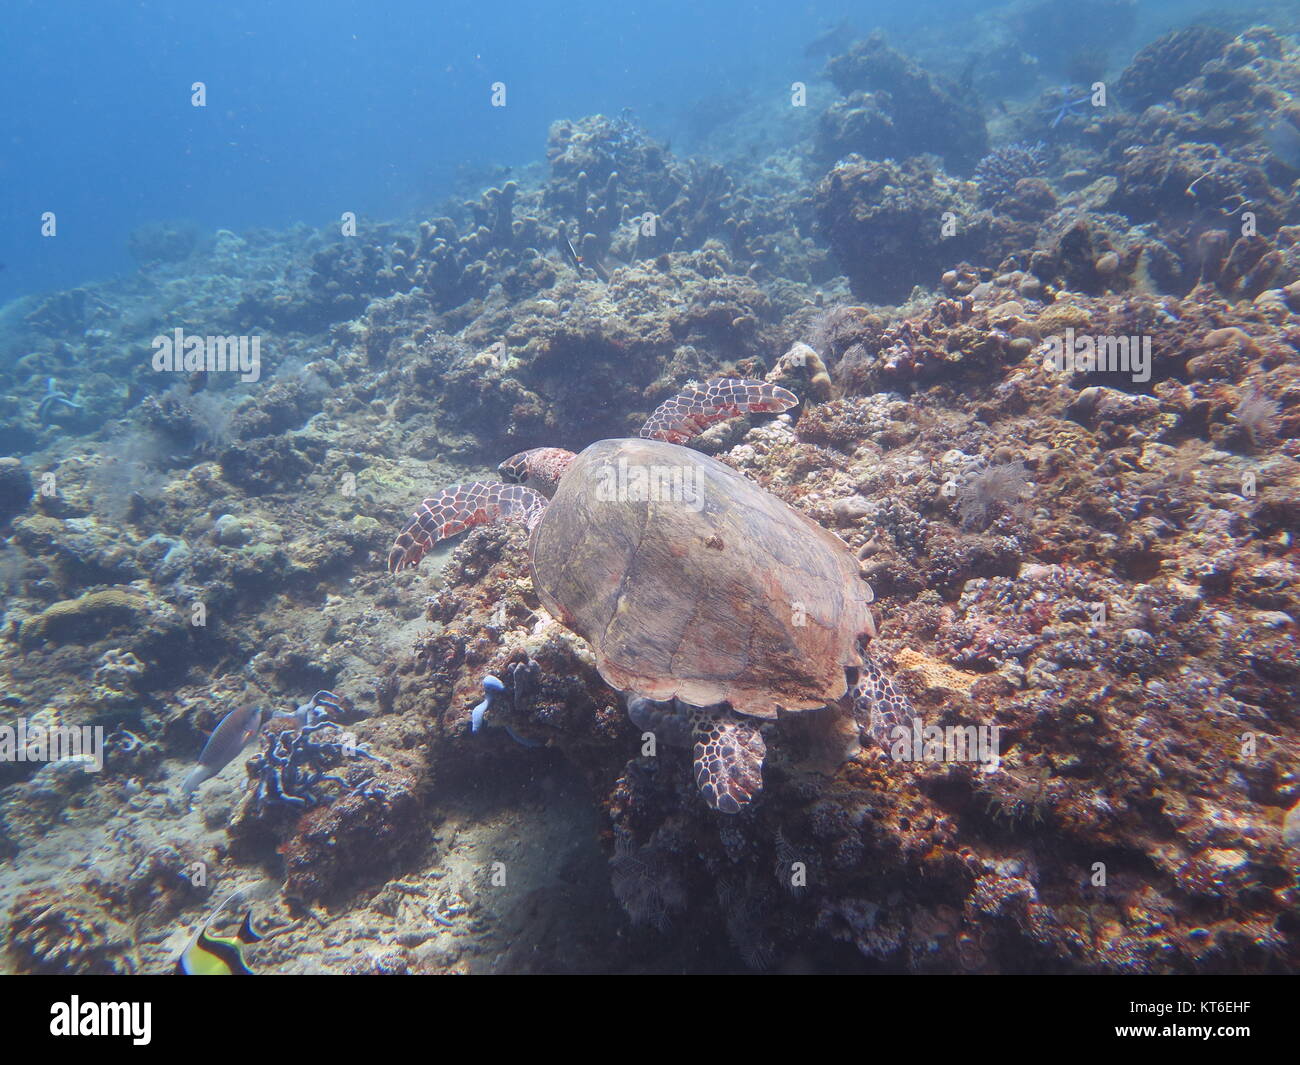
121,1019
1085,353
26,742
625,482
946,743
179,353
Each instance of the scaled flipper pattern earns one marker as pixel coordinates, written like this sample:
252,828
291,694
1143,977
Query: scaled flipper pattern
729,753
694,409
461,507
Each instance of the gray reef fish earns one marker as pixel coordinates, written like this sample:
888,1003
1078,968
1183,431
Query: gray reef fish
229,738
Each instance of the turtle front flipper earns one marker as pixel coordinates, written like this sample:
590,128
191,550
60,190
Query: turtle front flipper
694,409
880,705
729,753
461,507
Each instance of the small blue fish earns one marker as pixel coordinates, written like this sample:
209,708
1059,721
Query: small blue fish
230,737
493,688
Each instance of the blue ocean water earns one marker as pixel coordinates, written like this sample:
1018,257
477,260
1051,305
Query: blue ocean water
320,106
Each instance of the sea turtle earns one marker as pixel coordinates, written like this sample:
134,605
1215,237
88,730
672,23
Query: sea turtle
712,603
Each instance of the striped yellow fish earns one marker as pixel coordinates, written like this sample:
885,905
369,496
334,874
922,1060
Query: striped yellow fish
209,955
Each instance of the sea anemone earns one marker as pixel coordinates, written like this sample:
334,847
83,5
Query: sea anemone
1255,414
988,492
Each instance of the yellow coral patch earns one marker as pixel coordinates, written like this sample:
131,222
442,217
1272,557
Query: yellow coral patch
934,674
1059,316
91,616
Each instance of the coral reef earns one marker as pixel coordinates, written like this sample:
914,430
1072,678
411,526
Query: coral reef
162,242
15,488
893,226
1054,410
329,836
66,931
1169,62
891,108
999,172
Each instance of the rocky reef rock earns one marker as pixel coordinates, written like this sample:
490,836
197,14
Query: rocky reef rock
16,489
60,931
896,225
892,109
1167,63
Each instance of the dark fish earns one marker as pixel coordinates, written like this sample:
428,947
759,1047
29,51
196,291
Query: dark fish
229,738
966,80
579,263
571,253
1284,141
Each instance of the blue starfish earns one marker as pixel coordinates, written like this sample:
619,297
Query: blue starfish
1067,108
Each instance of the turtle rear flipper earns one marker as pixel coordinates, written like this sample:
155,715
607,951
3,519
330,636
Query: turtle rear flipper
461,507
729,753
880,705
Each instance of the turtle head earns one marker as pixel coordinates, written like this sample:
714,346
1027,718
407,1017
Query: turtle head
539,467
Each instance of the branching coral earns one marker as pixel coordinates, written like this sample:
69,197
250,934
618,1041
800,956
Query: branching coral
1000,170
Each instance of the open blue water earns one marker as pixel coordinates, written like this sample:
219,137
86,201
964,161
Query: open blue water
320,106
